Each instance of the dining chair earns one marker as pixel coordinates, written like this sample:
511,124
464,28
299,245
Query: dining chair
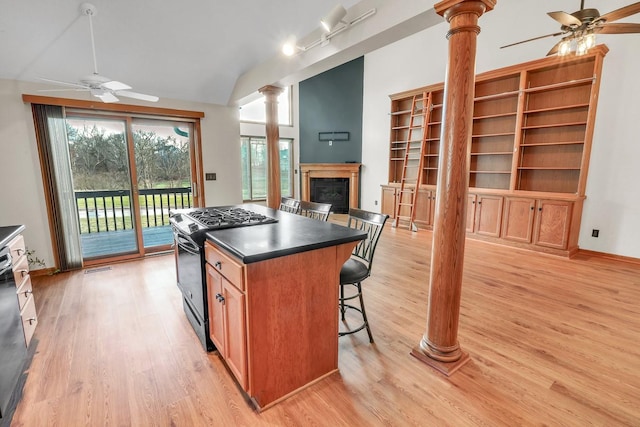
358,267
288,204
319,211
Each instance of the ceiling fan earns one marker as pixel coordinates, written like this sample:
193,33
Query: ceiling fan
100,86
579,28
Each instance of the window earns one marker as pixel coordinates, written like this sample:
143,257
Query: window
254,168
254,111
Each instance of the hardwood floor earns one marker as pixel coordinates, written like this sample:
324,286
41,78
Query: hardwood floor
552,342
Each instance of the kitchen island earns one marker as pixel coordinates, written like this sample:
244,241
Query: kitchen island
273,301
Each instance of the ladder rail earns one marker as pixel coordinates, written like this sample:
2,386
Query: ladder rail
425,132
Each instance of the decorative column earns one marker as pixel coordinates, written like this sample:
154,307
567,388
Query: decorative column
439,346
273,145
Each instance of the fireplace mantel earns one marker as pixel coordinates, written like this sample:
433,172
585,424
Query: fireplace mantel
331,170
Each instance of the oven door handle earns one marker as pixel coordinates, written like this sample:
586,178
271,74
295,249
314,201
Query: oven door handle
187,244
5,259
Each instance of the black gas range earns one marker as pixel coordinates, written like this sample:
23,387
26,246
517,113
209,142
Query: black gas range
189,230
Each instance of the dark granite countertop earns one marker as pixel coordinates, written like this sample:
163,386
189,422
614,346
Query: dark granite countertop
8,233
290,235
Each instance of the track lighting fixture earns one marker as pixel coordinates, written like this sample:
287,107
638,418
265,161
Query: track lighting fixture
330,24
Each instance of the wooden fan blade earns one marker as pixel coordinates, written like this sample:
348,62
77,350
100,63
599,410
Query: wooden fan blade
535,38
621,28
623,12
565,19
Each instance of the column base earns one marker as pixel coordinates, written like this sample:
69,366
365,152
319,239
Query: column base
447,368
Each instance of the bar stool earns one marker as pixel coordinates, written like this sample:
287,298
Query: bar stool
319,211
288,204
358,267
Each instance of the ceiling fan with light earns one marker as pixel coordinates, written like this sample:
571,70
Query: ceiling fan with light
580,28
100,86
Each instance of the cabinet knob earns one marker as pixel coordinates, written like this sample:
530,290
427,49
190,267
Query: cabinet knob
220,298
532,208
31,320
540,209
24,272
26,293
19,250
479,203
218,265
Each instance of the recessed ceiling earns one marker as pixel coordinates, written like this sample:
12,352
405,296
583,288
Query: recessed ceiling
192,51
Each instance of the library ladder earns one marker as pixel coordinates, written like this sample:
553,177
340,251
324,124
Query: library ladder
412,167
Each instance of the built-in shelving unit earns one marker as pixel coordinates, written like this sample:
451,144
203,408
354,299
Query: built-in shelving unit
531,136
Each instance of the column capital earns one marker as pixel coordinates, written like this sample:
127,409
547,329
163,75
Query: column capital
447,7
271,90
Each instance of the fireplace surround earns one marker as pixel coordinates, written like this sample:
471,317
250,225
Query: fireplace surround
351,171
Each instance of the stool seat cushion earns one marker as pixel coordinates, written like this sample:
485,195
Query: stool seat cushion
353,271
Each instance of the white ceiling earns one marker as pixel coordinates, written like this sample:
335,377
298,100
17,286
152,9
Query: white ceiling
192,50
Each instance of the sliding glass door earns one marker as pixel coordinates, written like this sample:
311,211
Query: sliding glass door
100,161
163,175
128,173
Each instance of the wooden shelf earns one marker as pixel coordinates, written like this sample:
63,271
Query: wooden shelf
547,168
497,153
558,108
493,116
497,96
498,172
555,125
399,113
571,83
486,135
542,144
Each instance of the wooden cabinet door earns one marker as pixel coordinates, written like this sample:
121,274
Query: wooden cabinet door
388,201
423,208
553,219
518,219
488,215
236,332
471,213
216,309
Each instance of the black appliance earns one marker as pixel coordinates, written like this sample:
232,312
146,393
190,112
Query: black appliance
13,352
189,230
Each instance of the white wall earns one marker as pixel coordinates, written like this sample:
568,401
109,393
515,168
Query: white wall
612,204
21,189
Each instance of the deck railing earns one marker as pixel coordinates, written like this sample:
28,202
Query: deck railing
110,210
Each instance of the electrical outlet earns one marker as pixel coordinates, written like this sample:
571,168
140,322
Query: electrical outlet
210,176
595,233
375,202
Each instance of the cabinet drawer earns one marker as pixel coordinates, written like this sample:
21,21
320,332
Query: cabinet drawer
29,319
24,292
226,265
21,270
17,247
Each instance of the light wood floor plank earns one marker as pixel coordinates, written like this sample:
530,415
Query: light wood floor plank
552,341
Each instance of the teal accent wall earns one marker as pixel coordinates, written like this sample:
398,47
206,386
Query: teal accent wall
332,102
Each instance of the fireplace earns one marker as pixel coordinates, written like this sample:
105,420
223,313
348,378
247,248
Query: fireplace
331,190
346,172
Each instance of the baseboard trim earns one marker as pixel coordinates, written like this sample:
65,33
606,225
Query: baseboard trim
604,255
43,272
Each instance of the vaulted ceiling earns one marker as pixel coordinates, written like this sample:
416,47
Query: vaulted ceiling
222,51
190,50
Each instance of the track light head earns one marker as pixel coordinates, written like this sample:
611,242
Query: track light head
333,18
